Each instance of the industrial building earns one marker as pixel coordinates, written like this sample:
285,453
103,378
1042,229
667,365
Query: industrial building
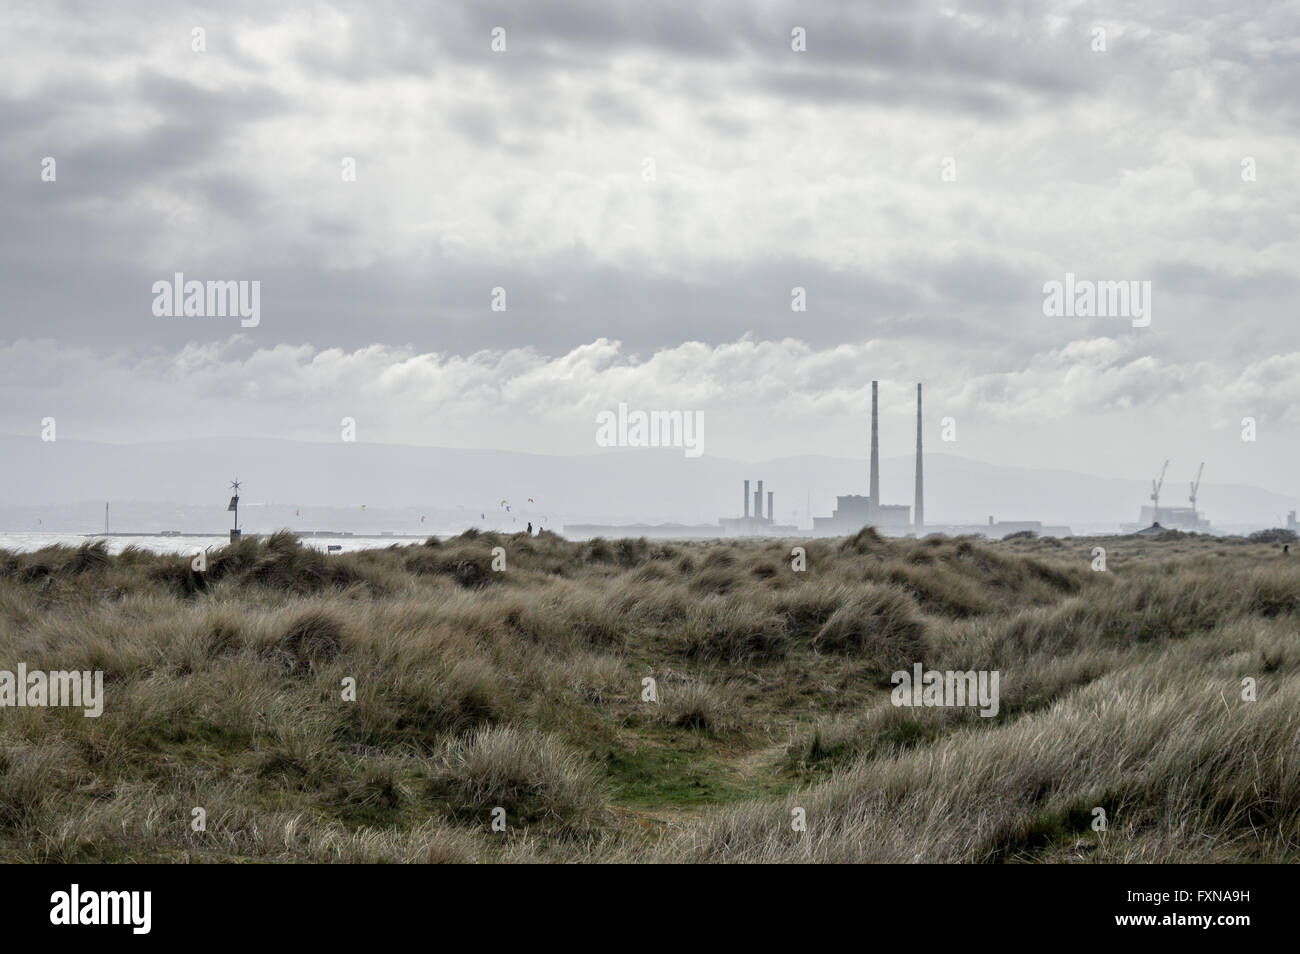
1171,518
754,524
1174,518
856,511
853,512
757,524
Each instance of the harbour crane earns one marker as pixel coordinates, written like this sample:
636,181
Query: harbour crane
1155,494
1196,485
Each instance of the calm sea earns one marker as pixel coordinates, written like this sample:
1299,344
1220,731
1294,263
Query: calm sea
24,541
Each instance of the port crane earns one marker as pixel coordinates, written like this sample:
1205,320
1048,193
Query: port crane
1196,485
1155,494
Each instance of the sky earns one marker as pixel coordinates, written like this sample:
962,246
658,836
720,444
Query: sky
644,186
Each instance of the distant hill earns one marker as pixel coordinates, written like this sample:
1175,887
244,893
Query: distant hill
161,485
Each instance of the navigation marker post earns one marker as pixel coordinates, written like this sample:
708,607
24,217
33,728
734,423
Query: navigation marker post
234,505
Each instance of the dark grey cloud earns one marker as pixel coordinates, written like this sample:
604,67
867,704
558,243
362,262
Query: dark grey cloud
444,305
78,258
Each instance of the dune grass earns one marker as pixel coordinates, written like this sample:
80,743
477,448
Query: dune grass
625,700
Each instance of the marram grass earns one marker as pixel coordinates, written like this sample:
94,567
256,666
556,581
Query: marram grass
625,701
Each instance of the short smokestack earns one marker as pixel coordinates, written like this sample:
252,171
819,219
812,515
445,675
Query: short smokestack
747,500
919,509
990,520
758,502
873,506
769,507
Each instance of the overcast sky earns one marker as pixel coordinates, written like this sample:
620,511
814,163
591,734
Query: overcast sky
526,169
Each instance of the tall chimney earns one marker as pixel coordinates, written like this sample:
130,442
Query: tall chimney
769,507
918,512
758,501
873,507
747,499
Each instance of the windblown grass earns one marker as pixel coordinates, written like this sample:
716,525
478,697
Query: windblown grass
625,700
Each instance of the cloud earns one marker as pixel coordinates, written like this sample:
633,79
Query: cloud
773,169
784,396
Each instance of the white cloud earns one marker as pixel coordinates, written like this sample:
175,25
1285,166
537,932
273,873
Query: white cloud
1096,404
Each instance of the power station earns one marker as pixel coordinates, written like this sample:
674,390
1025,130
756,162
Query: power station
853,512
750,524
757,524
